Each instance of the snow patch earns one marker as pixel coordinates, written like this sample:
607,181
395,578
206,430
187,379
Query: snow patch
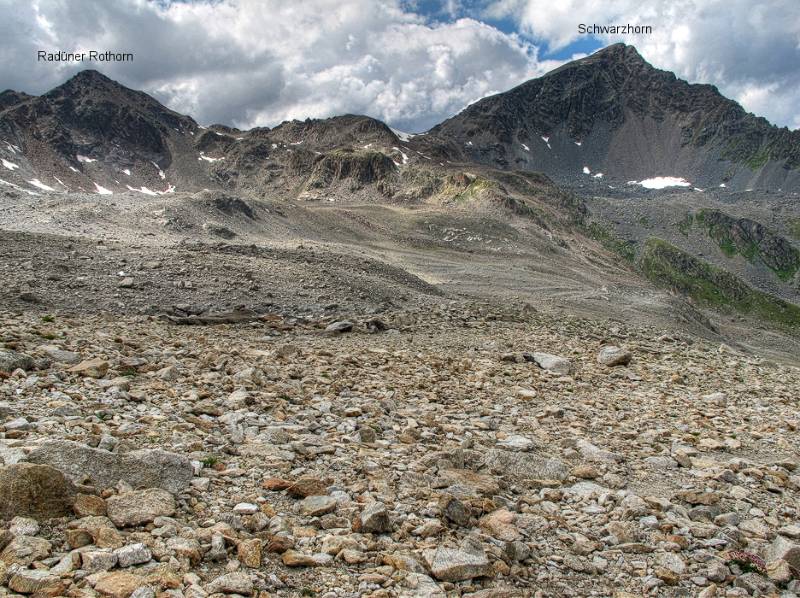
661,182
586,170
579,143
144,190
546,139
469,143
10,165
599,175
723,185
208,158
73,169
85,159
17,187
402,153
127,171
14,149
525,147
41,185
102,190
401,135
275,146
60,182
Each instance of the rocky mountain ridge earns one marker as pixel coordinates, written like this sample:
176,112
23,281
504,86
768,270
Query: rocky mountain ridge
613,115
609,117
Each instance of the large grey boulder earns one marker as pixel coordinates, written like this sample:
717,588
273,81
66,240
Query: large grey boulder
145,468
783,549
612,356
11,360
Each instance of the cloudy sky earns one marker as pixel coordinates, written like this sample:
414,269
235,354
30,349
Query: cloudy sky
411,63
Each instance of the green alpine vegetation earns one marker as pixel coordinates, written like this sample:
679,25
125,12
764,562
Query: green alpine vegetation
609,240
752,240
670,267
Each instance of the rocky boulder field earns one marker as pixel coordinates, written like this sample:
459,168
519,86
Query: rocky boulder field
445,448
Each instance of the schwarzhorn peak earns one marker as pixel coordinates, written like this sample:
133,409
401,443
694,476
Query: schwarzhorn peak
613,112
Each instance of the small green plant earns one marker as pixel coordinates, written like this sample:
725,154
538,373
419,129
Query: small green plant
48,318
308,592
48,335
209,461
128,372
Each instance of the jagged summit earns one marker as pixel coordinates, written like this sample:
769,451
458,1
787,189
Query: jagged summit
615,54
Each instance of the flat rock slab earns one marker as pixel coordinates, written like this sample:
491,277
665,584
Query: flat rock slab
23,550
118,584
146,468
518,465
140,507
458,564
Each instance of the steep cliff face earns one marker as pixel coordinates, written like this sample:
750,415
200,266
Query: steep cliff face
615,114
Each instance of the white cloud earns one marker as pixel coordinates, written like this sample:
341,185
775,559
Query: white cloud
249,62
252,62
750,51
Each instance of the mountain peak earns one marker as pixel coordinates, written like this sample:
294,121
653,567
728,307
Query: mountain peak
87,81
623,53
90,75
616,56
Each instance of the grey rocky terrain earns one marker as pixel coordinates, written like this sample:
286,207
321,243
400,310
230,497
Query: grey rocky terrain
330,359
